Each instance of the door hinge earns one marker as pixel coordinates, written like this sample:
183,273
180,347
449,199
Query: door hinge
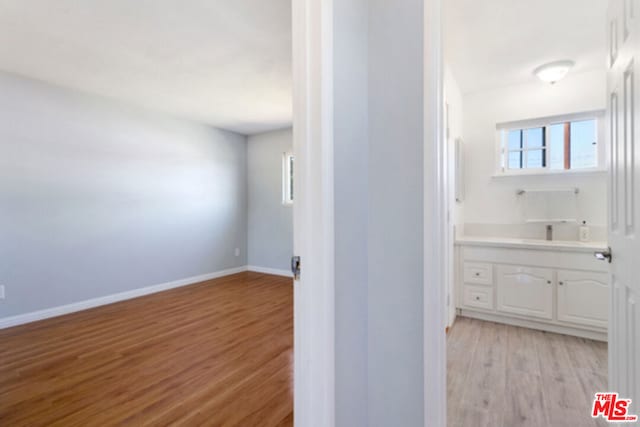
295,267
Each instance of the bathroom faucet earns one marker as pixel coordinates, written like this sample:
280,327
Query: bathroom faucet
549,232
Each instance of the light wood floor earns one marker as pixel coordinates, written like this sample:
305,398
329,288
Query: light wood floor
217,353
504,376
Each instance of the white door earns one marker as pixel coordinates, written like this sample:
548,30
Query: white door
583,298
526,291
624,181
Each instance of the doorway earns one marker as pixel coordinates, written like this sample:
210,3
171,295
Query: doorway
541,179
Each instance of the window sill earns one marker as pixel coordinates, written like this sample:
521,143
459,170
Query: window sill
549,172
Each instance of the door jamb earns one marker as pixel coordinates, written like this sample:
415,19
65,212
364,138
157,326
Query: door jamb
313,211
435,201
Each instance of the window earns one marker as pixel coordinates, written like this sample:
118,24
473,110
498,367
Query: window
550,145
287,178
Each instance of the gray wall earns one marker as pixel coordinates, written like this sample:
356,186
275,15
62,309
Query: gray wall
270,228
351,174
396,171
379,194
96,198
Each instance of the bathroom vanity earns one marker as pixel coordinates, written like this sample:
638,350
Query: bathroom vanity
557,286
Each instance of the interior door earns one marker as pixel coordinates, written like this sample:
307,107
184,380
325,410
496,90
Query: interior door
624,181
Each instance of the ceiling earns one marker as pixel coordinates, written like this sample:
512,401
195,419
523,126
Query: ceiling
497,43
226,63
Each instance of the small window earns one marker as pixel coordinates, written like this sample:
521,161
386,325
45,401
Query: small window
553,146
288,162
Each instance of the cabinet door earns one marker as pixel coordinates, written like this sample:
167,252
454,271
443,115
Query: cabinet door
583,297
526,291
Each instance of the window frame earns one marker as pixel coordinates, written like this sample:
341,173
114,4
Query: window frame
288,160
502,144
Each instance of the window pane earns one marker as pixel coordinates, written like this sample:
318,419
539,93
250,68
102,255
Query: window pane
287,178
515,160
515,142
583,144
535,158
534,137
556,145
291,178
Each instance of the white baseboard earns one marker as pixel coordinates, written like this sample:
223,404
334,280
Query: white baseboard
34,316
274,271
532,324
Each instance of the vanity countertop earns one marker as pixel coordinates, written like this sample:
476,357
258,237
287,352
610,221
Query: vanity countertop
507,242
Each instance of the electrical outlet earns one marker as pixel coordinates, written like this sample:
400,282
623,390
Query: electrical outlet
237,252
1,291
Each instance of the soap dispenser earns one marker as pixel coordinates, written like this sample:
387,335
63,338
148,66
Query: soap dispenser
585,233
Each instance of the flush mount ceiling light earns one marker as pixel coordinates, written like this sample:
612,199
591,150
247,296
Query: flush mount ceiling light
553,71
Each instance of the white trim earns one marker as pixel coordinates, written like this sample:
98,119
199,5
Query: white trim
47,313
266,270
434,303
532,324
314,322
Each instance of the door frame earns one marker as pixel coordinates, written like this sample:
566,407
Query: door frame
435,207
313,212
314,314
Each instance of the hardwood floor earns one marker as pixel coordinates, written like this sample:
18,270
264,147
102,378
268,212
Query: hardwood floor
499,375
217,353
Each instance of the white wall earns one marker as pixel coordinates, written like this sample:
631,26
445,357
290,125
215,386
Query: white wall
270,223
493,200
97,198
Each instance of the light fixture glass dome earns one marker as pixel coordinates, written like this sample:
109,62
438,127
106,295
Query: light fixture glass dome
553,71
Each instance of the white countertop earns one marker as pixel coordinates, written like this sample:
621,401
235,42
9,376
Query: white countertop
507,242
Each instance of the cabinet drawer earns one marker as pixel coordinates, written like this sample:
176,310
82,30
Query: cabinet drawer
478,297
481,273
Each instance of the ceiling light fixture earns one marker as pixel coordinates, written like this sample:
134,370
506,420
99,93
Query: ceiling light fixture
553,71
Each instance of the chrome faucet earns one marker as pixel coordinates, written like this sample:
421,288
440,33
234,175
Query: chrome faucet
549,232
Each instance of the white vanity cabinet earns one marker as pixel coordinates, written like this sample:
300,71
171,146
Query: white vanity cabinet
550,286
527,291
